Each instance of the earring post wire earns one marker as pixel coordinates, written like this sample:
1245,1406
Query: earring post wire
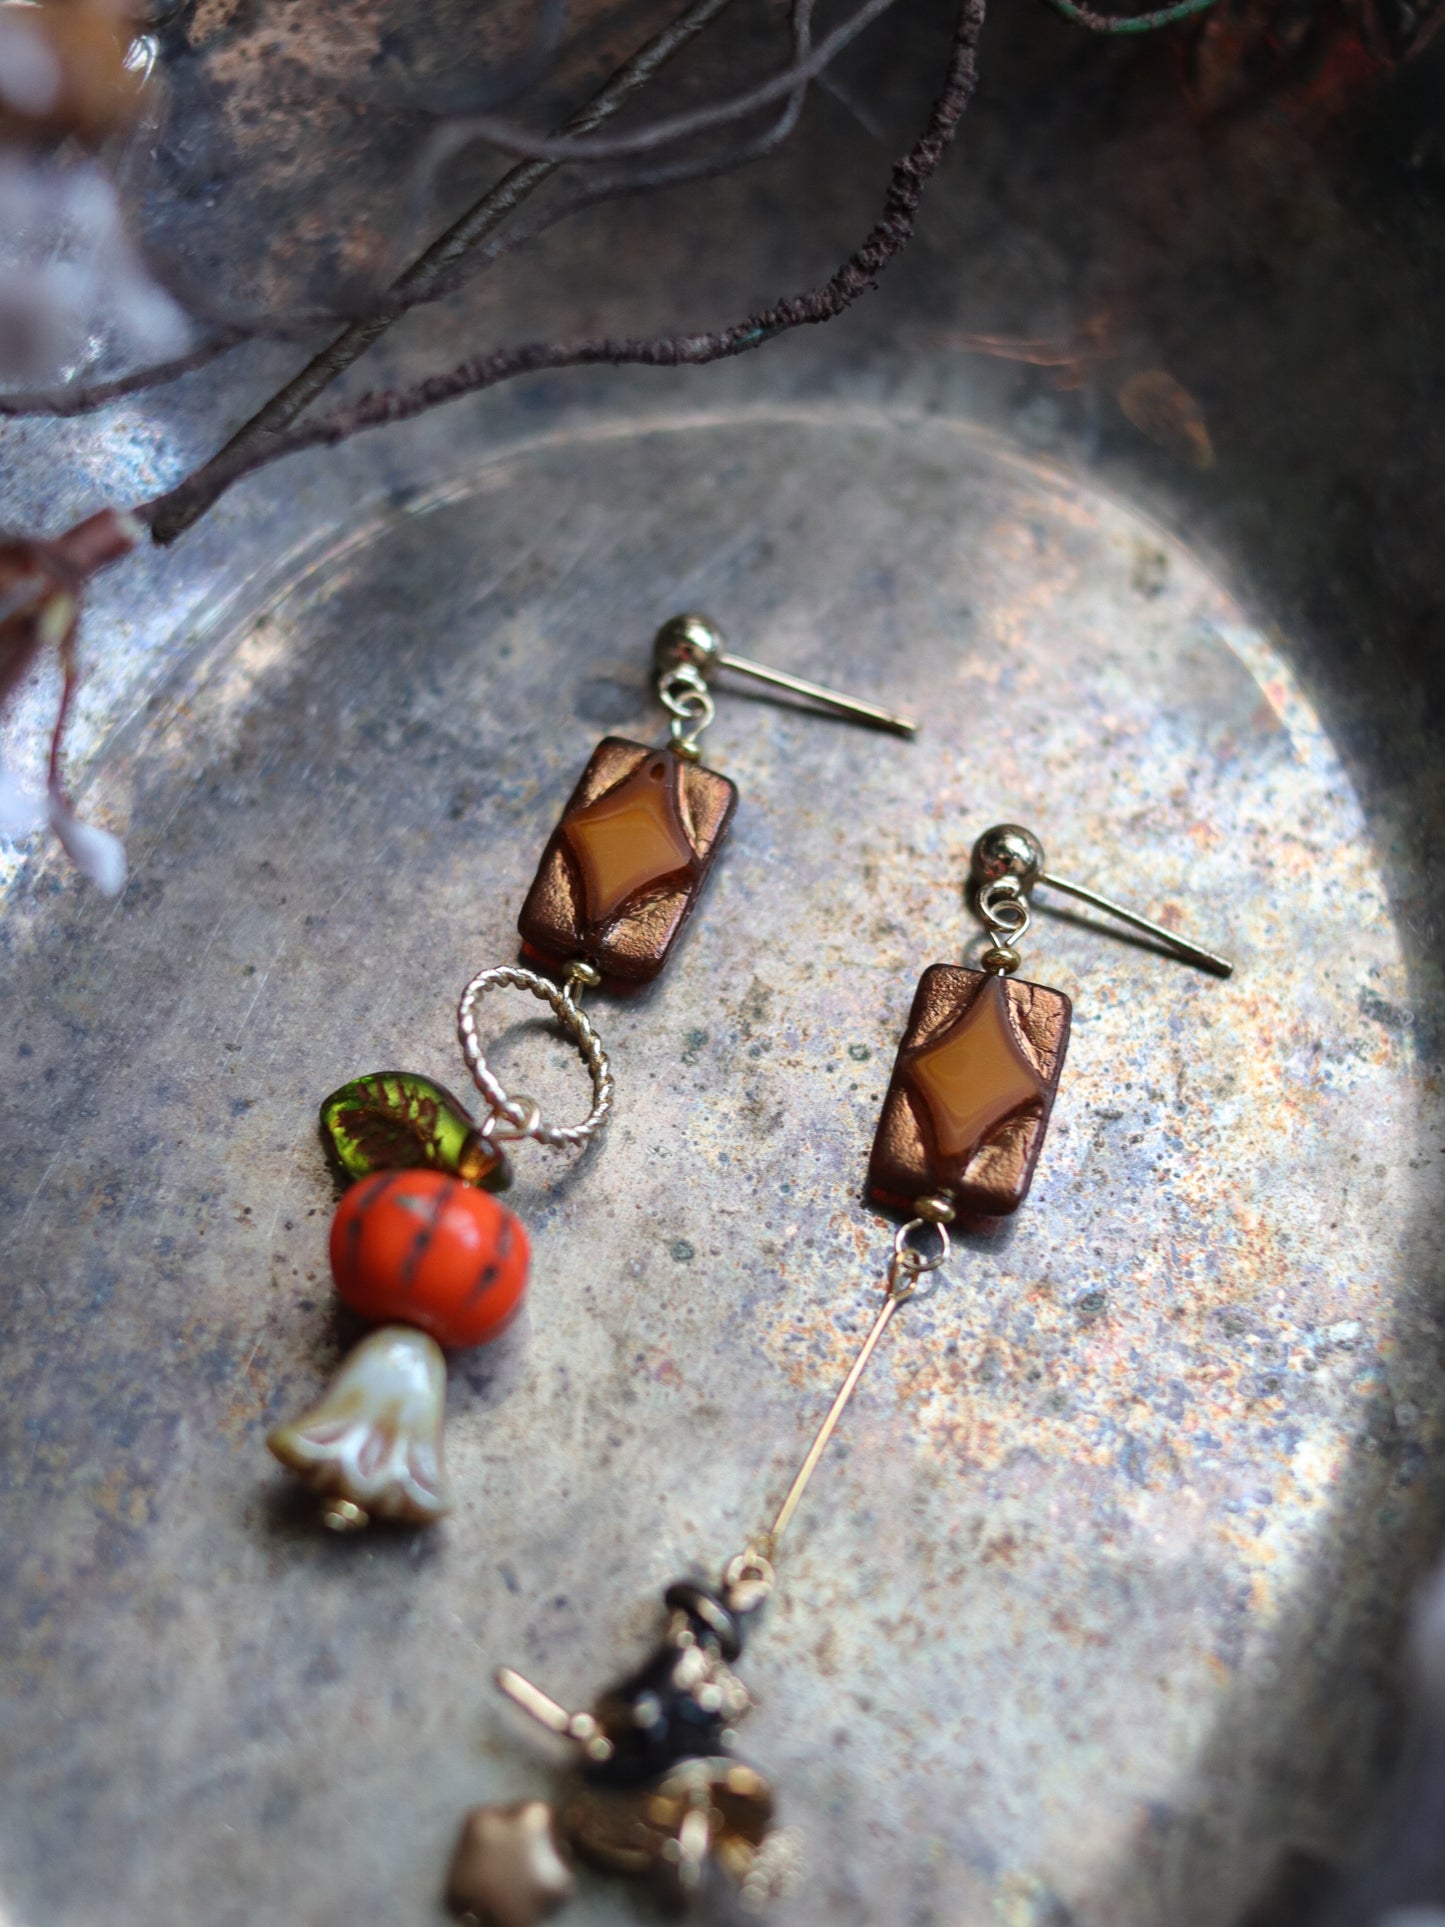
775,1531
828,698
1181,946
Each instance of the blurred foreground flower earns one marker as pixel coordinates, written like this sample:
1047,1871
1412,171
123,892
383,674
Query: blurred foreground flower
64,69
71,283
41,588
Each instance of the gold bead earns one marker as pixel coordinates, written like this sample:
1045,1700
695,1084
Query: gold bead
1000,960
344,1515
937,1208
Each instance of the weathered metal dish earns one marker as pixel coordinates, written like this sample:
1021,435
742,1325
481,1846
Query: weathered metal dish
1049,1622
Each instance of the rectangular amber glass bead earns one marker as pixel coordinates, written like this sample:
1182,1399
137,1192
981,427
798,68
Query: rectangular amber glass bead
971,1091
627,861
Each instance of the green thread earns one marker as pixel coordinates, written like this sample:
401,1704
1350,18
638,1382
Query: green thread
1129,23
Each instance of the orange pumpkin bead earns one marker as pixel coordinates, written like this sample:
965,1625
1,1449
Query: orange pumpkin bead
421,1248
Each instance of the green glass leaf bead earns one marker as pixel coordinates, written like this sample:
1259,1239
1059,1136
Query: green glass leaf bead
399,1121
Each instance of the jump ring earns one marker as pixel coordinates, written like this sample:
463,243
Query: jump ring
687,698
997,898
683,691
518,1117
748,1581
911,1263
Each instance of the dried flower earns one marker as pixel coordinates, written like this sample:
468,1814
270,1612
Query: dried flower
41,588
71,284
96,853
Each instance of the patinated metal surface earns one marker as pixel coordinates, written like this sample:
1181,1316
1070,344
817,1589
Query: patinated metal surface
1035,1631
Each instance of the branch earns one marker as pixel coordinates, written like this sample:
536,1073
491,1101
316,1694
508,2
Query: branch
80,400
511,139
168,514
643,180
474,226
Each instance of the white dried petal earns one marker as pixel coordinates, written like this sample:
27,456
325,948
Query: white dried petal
96,853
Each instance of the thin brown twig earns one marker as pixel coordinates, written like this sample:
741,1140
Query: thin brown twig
81,400
891,234
65,403
643,181
85,400
459,240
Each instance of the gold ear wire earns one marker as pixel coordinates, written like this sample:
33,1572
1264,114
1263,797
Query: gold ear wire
1007,862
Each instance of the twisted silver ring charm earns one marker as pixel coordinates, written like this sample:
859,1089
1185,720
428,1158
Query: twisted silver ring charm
516,1117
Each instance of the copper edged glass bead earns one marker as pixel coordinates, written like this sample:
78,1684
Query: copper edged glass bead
972,1088
626,863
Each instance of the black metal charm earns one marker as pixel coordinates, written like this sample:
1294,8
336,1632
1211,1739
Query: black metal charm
657,1794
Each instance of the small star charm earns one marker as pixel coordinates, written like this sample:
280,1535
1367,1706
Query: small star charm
508,1869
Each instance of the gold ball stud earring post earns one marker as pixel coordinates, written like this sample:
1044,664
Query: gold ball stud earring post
1007,850
689,641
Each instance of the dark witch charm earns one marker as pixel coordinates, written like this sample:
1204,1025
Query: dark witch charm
656,1793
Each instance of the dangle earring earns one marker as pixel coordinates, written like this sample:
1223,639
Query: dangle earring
628,859
418,1245
656,1792
979,1061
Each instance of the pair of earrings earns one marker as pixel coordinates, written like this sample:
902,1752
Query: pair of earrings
420,1245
